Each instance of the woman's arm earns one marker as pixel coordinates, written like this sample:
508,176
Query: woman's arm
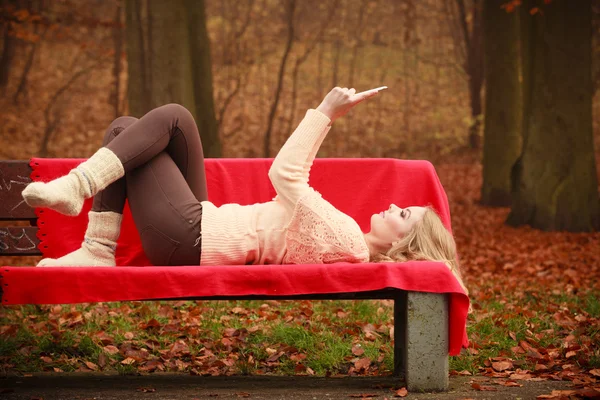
291,168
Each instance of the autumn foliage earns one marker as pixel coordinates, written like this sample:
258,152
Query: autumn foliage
535,295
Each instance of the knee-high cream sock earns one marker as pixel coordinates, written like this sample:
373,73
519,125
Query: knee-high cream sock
67,193
99,244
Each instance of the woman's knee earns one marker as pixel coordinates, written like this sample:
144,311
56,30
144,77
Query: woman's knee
177,113
116,127
175,109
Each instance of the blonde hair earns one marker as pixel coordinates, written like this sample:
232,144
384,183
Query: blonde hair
428,240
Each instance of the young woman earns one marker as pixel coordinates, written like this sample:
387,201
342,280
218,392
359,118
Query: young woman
157,163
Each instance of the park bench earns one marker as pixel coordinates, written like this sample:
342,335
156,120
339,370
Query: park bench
430,307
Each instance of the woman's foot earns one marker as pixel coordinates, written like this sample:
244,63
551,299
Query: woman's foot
67,193
88,255
99,245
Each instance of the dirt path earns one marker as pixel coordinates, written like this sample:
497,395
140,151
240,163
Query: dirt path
178,386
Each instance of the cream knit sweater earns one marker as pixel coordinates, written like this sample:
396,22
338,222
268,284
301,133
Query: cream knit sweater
297,227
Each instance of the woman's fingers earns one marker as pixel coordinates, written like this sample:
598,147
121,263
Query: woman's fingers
358,97
376,90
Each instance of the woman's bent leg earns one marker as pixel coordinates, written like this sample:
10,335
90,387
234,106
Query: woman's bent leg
112,198
169,128
104,220
165,211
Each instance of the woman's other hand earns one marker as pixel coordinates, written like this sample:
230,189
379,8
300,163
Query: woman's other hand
339,101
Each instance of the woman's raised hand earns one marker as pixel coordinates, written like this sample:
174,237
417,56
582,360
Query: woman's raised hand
339,101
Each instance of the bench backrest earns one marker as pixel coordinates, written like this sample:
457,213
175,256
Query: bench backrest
16,239
358,187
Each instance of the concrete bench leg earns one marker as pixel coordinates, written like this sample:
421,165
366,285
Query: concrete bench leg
421,336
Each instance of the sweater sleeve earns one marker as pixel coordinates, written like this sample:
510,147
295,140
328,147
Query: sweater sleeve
291,168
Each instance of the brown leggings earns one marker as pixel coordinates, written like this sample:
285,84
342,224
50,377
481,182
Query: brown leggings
164,182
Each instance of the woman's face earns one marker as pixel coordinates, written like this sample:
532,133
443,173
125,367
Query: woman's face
394,223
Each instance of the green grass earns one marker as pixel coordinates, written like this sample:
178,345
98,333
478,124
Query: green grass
319,335
592,305
315,329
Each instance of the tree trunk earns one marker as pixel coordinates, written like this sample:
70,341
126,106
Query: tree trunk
168,54
8,52
475,68
556,184
138,89
202,78
473,51
118,43
503,118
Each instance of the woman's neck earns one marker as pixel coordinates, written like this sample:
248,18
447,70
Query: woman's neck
375,245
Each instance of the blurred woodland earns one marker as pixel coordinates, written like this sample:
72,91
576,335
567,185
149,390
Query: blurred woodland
501,95
64,73
249,69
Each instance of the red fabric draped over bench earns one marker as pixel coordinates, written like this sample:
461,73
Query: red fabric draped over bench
358,187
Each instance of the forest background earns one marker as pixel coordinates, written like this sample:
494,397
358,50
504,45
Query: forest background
68,68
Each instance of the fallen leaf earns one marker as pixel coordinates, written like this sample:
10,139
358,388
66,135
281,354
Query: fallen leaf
362,364
482,388
557,394
128,361
402,392
511,384
110,349
502,365
91,365
357,350
520,377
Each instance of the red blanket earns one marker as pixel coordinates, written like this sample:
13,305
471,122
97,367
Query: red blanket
358,187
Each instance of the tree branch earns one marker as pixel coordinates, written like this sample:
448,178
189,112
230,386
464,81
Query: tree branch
50,110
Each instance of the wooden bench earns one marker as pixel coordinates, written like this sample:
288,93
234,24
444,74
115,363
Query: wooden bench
420,319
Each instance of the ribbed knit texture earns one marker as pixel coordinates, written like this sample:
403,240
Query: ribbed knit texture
67,193
102,169
256,234
99,244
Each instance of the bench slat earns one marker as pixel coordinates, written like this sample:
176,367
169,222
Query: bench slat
19,241
14,176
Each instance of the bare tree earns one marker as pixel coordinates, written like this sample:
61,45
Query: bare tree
9,43
468,41
555,185
312,44
290,8
357,33
168,54
118,43
35,8
503,103
53,112
241,73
